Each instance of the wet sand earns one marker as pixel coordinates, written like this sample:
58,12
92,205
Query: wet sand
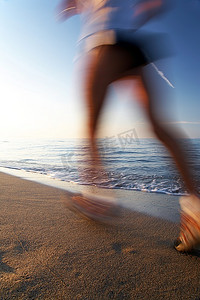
48,252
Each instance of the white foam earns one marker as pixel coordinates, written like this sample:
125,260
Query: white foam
154,204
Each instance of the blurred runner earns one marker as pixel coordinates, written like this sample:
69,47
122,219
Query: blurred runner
118,49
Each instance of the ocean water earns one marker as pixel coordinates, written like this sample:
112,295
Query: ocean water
129,163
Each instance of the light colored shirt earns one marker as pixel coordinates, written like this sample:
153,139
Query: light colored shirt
102,19
100,15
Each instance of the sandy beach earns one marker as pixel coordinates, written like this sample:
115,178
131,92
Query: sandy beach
48,252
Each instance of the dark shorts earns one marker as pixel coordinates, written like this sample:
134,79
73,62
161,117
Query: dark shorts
145,47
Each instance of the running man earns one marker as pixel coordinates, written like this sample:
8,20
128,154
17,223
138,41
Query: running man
117,48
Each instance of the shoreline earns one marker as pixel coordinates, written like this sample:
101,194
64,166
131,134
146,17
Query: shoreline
48,252
59,183
159,205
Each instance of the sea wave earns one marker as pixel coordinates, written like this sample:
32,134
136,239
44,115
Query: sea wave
144,167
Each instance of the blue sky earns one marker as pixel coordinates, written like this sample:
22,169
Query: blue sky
40,94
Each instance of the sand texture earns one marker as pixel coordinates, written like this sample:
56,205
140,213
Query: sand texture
48,252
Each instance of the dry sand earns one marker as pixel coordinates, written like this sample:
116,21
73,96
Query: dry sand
48,252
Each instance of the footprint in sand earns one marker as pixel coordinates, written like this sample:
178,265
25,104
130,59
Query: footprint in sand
3,266
119,249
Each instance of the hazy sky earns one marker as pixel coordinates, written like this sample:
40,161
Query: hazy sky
39,91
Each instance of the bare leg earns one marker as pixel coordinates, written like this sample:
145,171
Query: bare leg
189,236
167,136
106,67
114,63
